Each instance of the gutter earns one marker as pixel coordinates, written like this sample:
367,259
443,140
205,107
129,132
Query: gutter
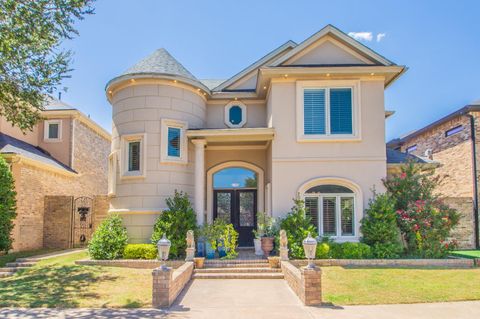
475,179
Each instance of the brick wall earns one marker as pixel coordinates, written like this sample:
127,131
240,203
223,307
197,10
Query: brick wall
454,153
57,231
306,283
167,284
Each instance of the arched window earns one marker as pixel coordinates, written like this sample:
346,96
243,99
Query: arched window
332,209
235,177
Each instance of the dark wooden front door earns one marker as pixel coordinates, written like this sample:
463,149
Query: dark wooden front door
239,207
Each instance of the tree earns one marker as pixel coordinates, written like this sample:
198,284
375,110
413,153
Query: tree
32,64
7,206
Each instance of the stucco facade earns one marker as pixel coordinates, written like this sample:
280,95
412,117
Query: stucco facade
254,122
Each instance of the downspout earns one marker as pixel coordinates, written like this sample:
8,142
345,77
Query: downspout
475,178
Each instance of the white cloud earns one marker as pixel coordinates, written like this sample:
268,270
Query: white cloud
380,36
361,36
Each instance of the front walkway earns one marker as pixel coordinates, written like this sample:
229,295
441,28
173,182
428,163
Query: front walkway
269,298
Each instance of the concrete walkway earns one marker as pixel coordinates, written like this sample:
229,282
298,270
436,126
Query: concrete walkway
256,299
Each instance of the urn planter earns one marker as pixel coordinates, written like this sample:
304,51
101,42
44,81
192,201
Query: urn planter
267,245
199,262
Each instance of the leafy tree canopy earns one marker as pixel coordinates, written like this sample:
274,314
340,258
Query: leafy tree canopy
32,63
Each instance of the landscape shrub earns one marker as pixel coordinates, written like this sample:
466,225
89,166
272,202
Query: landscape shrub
424,221
7,206
323,251
379,227
350,251
140,251
174,223
109,240
221,233
297,226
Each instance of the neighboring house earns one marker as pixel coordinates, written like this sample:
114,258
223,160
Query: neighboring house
305,120
450,142
65,154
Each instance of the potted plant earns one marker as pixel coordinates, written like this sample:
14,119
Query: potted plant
274,261
268,226
257,242
199,262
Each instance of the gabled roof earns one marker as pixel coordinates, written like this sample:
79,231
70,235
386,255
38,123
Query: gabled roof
472,107
11,145
397,157
52,103
331,30
265,59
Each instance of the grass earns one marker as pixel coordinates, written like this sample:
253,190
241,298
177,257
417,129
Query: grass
58,282
467,253
343,286
11,257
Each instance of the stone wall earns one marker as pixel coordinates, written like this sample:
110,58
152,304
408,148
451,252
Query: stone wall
57,230
390,263
167,284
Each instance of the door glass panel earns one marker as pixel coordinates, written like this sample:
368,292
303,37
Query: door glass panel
224,206
246,209
329,224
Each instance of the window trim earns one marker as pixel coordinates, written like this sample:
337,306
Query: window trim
164,157
411,148
457,129
354,85
46,127
227,108
112,174
126,139
338,213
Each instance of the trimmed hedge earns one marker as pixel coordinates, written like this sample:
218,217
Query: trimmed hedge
140,251
327,249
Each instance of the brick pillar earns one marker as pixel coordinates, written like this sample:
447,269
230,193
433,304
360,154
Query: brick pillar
162,280
311,284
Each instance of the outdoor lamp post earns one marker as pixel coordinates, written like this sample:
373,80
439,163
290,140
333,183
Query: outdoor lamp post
163,247
310,247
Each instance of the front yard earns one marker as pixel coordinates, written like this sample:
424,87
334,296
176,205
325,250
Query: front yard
58,282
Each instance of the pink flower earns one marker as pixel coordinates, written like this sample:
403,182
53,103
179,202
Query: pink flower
403,175
416,227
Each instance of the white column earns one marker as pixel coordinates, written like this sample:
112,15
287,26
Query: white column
200,180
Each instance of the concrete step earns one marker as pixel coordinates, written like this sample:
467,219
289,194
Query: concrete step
238,270
20,264
251,265
12,269
236,261
4,274
26,260
238,276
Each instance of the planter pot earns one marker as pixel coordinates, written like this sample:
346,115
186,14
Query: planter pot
274,262
267,245
199,261
210,253
258,246
221,249
201,248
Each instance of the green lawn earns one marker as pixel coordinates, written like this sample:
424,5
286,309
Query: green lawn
467,253
12,256
58,282
342,286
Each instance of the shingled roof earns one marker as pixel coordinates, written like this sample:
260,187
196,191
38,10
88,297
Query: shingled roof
397,157
160,62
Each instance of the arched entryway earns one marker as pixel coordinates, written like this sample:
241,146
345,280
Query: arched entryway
235,193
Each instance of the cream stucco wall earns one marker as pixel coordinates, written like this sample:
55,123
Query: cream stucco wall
139,109
294,163
256,114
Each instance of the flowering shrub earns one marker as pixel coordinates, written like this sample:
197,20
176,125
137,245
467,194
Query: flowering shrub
424,221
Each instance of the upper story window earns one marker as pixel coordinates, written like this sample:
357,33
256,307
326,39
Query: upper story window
53,130
453,131
411,149
327,110
235,114
173,146
133,161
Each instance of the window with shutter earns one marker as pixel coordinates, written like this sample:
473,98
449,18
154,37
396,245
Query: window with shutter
341,111
311,206
134,156
314,111
346,211
174,135
329,216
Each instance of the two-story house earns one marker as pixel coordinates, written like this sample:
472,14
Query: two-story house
64,155
453,142
305,120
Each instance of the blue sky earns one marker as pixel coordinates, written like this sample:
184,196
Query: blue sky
437,40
